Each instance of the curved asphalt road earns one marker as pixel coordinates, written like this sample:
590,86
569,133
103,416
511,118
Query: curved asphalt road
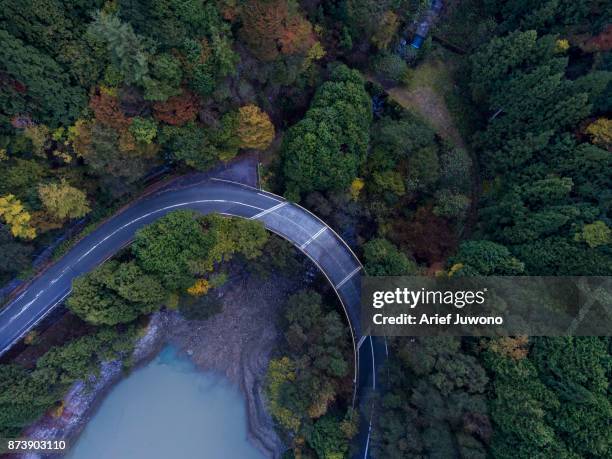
290,221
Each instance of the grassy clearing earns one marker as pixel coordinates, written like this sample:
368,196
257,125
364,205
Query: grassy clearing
431,89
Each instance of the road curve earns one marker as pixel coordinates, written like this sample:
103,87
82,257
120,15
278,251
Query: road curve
290,221
205,195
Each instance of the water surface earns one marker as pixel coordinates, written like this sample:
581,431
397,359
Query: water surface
168,409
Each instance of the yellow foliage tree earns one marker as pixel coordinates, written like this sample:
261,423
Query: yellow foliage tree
201,287
63,201
79,136
562,45
57,410
315,53
15,215
356,187
350,425
456,267
601,132
281,371
255,130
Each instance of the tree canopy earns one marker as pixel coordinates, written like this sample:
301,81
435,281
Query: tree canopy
115,293
324,150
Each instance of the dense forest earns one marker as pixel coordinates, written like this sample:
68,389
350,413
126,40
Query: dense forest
488,151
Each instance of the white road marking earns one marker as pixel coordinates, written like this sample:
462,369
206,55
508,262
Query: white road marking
361,340
259,191
28,326
231,181
269,197
367,446
348,277
316,235
373,365
348,317
6,309
267,211
182,204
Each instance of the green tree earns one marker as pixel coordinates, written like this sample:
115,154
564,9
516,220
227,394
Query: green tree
26,394
143,129
170,248
115,293
423,168
182,244
17,177
325,149
486,258
382,258
99,147
190,144
595,234
327,438
233,235
15,255
390,66
451,205
164,78
577,370
129,53
304,382
521,77
36,86
434,406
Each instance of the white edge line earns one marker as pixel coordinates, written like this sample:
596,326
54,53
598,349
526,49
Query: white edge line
274,197
367,446
348,318
373,365
29,326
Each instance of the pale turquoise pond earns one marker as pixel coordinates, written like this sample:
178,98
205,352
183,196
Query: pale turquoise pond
168,409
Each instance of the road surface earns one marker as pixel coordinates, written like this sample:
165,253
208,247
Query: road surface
205,195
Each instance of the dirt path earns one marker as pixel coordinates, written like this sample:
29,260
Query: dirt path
430,106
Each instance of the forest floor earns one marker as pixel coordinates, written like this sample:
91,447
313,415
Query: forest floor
430,105
430,90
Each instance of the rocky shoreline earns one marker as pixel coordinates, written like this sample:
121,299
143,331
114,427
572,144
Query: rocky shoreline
237,342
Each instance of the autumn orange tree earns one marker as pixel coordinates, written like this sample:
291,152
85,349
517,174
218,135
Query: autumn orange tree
107,110
177,110
271,28
255,130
